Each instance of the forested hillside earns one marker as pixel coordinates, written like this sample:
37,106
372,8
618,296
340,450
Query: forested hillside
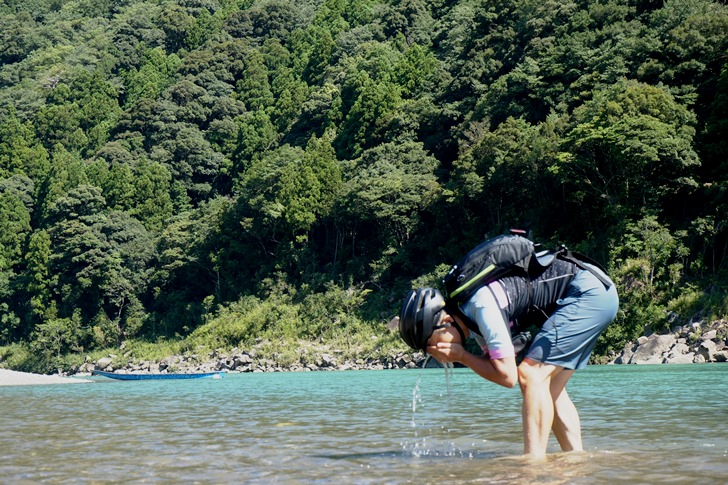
221,172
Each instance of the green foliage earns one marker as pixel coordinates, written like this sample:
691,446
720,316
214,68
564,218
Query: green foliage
152,77
57,336
20,151
14,227
630,151
322,316
243,322
391,184
648,269
290,187
254,88
38,277
217,172
17,356
366,122
255,134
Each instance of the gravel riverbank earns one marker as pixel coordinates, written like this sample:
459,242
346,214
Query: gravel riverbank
14,378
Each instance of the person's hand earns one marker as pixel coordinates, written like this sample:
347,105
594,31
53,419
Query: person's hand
446,352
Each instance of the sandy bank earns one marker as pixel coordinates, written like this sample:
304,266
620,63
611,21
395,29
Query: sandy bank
13,378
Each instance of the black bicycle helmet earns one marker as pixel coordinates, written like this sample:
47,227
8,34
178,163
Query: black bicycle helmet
417,318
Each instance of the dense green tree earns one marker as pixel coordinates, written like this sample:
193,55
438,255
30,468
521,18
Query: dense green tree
283,192
59,122
649,263
189,102
129,275
67,172
630,150
411,18
101,262
55,337
224,60
118,187
277,57
98,103
17,37
20,151
152,77
417,72
601,43
152,201
81,256
319,112
136,33
501,179
272,19
190,159
290,93
253,88
204,27
187,269
386,191
14,229
255,135
693,41
14,226
176,24
365,122
322,51
38,279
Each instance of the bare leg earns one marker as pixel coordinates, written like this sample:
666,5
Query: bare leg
566,426
538,405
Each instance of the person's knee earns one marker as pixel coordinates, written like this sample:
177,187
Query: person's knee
528,374
534,374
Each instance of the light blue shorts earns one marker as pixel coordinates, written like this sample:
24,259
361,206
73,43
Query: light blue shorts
568,336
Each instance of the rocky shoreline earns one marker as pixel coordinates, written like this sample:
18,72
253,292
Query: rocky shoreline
695,343
238,360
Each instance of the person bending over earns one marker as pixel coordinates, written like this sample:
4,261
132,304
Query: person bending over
579,306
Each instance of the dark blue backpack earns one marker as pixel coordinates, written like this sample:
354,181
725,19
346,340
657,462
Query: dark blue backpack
506,255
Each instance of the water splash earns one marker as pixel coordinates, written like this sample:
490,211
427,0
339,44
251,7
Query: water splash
416,398
416,446
449,368
433,441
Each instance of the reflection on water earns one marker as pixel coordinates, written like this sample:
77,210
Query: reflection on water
646,424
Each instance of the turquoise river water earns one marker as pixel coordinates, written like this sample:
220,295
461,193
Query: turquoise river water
641,424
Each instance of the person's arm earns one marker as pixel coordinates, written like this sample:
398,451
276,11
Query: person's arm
501,371
499,361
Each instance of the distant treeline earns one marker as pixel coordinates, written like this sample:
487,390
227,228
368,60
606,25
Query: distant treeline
245,169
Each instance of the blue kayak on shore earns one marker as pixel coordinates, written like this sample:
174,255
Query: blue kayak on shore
140,377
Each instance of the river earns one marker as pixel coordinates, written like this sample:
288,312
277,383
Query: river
641,424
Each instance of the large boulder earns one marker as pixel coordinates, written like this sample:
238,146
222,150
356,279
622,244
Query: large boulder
626,354
709,335
707,349
721,356
652,348
679,354
103,363
680,358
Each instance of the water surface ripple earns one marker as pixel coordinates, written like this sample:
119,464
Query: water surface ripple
642,424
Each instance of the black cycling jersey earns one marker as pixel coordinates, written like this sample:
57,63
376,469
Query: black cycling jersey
550,286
